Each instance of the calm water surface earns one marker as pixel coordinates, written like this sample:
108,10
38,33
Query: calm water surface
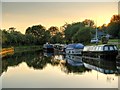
45,70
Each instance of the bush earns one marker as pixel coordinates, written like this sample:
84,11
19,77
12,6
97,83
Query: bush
104,40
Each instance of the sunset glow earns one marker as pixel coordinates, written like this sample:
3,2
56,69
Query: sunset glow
22,15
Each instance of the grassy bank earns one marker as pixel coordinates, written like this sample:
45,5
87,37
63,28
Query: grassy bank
115,41
11,50
27,48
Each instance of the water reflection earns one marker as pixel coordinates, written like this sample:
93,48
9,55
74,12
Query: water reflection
68,63
106,66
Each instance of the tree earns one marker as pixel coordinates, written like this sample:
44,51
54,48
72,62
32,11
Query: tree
82,36
114,26
53,30
58,38
38,32
88,22
104,40
71,30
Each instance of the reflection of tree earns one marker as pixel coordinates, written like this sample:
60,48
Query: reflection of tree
67,68
56,61
32,59
38,62
13,60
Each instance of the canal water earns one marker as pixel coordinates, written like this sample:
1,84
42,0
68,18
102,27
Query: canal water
48,70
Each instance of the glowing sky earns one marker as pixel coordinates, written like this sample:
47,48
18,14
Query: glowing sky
24,14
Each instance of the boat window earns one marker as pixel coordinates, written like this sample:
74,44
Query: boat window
97,48
94,49
111,48
106,48
100,48
115,47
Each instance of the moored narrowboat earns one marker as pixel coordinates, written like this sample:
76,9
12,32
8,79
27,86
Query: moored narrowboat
59,48
48,47
101,50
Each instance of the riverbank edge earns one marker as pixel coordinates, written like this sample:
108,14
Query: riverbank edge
28,48
19,49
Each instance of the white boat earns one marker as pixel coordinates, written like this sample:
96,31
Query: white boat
75,49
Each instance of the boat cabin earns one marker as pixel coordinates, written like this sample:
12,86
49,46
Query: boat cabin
48,47
74,48
100,48
106,50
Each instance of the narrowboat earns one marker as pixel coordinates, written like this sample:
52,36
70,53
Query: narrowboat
59,48
101,51
48,47
75,49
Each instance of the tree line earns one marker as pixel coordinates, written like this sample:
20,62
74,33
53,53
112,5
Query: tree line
76,32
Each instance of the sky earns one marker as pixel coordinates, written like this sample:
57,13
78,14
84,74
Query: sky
22,15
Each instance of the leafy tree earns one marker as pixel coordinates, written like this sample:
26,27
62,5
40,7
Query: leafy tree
88,22
58,38
114,26
82,36
72,29
104,40
53,30
37,31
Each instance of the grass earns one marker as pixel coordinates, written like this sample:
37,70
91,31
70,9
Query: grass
11,50
27,48
114,40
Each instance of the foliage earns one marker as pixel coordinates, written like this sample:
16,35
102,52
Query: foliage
82,36
38,32
58,38
71,30
88,22
114,26
76,32
53,30
104,40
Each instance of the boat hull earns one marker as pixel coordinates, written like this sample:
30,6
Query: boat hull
48,49
101,54
74,51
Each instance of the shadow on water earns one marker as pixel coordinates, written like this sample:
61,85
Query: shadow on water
68,63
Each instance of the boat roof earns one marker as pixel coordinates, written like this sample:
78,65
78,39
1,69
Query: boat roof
104,45
76,46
